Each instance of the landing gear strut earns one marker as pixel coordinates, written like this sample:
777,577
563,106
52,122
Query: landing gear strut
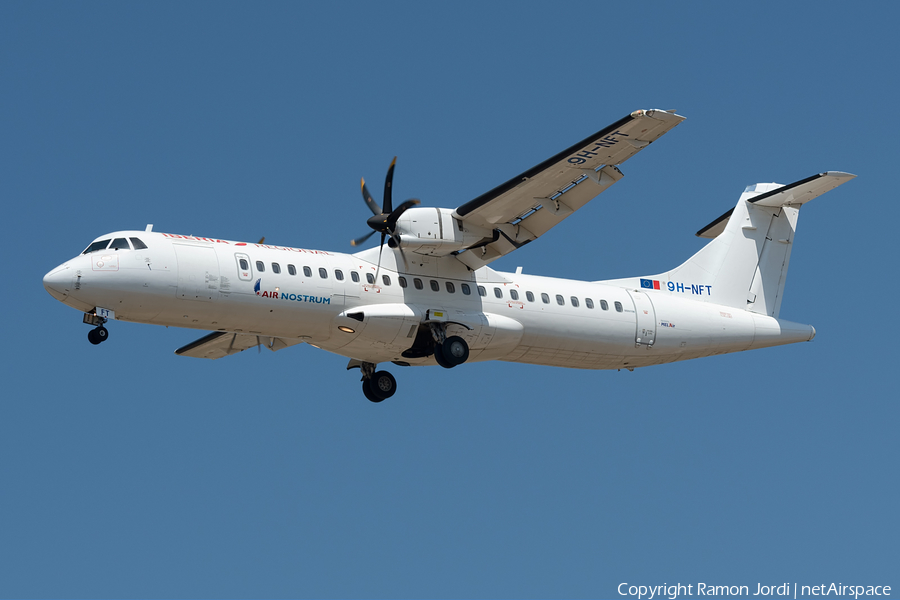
377,386
99,334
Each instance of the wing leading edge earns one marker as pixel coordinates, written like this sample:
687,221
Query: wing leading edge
530,204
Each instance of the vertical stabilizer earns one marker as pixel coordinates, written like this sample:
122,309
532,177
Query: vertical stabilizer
745,265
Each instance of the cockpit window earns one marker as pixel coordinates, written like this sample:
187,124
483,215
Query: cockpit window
138,244
101,245
119,244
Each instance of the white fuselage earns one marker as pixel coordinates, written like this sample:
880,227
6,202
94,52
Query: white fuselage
201,283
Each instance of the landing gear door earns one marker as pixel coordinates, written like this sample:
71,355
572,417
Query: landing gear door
645,319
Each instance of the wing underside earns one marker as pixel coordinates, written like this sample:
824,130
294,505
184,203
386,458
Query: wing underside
530,204
219,344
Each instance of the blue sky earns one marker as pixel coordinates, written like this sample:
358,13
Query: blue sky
127,471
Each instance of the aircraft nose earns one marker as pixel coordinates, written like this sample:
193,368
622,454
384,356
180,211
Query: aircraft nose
58,281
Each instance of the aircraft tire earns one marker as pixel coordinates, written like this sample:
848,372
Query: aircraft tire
92,337
455,350
382,385
367,391
101,333
439,357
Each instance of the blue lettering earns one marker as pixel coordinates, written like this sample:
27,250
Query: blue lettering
680,287
671,286
694,289
326,300
708,290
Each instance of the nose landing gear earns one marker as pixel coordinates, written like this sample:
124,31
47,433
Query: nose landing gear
99,334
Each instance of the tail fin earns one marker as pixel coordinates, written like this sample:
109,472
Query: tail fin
745,266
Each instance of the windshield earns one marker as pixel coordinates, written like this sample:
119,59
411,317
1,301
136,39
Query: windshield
100,245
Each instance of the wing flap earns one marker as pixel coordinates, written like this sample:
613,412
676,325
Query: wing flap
219,344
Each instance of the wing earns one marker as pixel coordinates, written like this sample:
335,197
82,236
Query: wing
530,204
221,343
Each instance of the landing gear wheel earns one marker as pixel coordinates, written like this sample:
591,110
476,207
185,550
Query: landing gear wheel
368,392
455,350
440,358
382,386
98,335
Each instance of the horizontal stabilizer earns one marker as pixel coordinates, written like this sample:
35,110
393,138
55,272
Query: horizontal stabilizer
222,343
775,195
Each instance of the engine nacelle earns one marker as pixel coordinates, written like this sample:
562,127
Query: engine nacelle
434,231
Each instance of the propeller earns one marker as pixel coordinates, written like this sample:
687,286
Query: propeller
384,219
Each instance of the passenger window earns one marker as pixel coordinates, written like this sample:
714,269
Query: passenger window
482,291
138,244
276,268
307,271
119,244
323,273
260,266
466,290
604,305
450,287
402,281
101,245
245,266
498,292
514,294
545,298
418,283
354,276
435,287
292,270
589,303
338,274
618,306
560,300
386,280
370,278
574,301
529,296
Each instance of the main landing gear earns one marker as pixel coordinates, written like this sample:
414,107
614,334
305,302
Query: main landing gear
448,351
99,334
377,385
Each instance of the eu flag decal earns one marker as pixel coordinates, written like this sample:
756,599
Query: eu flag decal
649,284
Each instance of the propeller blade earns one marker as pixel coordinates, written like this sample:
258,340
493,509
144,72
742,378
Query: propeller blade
368,198
395,214
361,240
396,239
388,182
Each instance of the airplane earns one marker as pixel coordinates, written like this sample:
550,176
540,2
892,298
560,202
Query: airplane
433,299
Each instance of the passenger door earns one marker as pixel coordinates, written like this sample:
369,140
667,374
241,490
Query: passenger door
645,315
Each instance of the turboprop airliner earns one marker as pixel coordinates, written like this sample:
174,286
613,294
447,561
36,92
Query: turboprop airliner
431,297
